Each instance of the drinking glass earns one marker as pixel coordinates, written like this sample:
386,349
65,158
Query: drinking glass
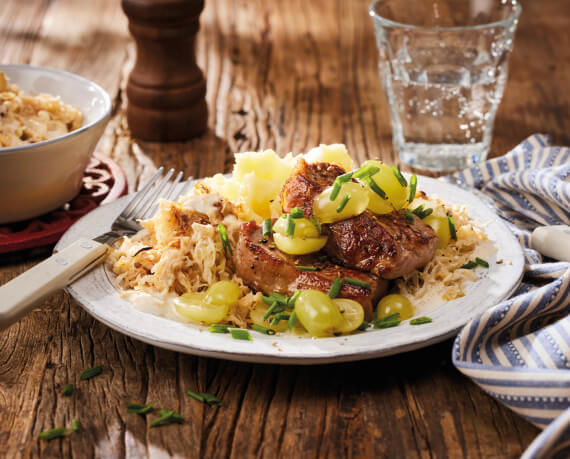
443,66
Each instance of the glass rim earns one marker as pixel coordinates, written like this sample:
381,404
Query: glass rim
381,19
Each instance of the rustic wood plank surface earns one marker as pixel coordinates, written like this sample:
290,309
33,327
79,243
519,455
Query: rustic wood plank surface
282,75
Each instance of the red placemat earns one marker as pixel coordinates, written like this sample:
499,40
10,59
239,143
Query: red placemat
103,182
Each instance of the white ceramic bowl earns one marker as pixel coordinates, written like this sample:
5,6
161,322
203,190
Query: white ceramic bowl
40,177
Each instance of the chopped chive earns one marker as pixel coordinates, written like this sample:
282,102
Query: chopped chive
363,326
387,323
198,397
336,190
270,310
306,268
174,416
392,320
139,408
282,299
322,258
51,434
279,317
225,241
426,213
345,177
395,315
292,320
399,176
420,320
335,287
421,212
413,186
409,216
206,398
343,203
209,399
357,282
481,262
267,227
240,333
91,372
68,390
75,425
291,301
366,171
297,213
274,297
290,225
260,329
452,231
469,265
374,187
219,328
315,221
167,417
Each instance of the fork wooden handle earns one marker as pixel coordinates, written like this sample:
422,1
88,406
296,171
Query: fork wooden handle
20,295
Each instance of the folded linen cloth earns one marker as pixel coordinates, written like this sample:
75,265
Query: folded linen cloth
519,350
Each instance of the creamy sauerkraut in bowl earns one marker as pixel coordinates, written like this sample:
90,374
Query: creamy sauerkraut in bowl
31,118
50,123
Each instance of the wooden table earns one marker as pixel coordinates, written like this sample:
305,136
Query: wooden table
283,75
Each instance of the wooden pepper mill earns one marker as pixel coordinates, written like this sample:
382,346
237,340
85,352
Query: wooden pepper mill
166,90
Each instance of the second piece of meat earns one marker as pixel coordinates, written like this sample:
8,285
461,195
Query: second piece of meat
264,268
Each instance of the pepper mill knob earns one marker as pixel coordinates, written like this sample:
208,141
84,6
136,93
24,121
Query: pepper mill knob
166,89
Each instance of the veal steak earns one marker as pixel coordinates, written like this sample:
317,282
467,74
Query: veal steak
265,268
387,245
305,183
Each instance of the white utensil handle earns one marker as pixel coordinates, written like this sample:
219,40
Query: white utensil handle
552,241
20,295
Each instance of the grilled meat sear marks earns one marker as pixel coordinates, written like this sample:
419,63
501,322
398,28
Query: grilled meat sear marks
386,245
264,268
305,183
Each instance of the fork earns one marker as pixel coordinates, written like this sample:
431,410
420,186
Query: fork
20,295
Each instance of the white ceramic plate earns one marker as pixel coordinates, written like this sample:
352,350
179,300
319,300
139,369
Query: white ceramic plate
97,294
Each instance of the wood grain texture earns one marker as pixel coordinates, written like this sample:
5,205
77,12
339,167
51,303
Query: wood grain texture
282,75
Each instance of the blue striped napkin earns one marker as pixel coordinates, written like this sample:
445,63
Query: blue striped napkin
519,350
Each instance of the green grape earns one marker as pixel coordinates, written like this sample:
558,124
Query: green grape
441,227
327,210
304,228
317,313
223,292
297,245
193,307
396,194
352,314
395,303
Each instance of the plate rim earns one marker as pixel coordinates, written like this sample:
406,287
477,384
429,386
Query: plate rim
259,356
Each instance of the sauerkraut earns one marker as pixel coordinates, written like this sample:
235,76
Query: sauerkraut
29,118
180,250
443,279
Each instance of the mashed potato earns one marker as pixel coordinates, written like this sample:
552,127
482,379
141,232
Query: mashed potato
255,184
26,119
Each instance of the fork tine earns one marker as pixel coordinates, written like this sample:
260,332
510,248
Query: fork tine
171,193
141,194
166,192
156,193
186,186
